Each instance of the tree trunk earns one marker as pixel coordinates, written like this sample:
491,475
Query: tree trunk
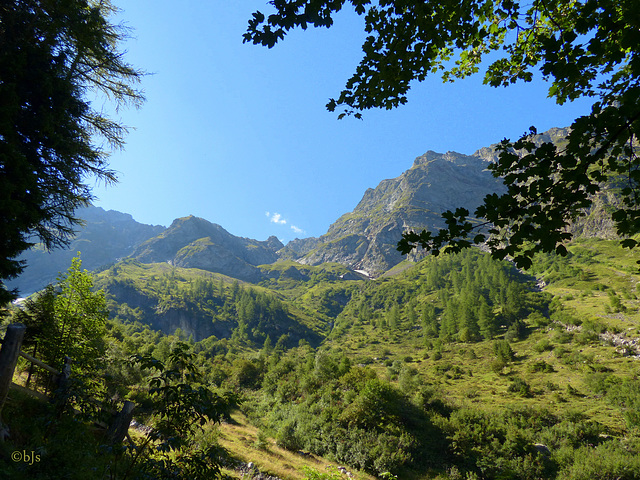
120,425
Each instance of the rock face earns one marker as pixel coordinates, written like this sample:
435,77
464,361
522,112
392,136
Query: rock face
106,237
366,238
193,242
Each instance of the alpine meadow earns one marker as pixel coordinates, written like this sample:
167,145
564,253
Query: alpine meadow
474,317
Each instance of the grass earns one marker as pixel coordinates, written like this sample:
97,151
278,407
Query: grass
465,378
242,440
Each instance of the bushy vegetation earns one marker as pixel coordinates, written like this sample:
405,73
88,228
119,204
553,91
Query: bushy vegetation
314,401
458,367
216,305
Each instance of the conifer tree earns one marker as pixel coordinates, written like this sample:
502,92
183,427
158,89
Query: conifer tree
393,317
57,60
487,321
429,321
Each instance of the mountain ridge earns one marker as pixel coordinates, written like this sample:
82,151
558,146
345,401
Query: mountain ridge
106,237
363,240
366,238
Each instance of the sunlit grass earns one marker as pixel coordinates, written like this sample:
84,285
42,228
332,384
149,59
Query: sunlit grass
246,444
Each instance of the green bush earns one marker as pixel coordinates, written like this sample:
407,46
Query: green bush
287,437
503,351
541,366
520,387
543,345
609,461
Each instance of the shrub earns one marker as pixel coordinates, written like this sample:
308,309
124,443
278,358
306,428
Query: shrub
600,382
497,365
563,336
586,337
287,437
607,461
503,351
543,345
537,319
541,366
262,442
516,331
520,387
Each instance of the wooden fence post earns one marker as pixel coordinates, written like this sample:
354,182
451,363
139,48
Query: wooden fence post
63,377
120,425
9,357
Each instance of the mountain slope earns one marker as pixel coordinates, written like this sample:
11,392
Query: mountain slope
192,242
366,238
106,237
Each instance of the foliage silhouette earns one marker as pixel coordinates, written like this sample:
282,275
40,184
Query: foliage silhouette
584,49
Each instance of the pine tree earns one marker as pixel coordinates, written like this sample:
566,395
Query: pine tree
393,317
429,321
487,321
412,318
57,61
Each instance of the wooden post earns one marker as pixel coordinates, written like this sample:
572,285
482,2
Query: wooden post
9,357
63,376
60,394
120,425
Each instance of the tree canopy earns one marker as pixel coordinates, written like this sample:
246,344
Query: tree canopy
57,61
584,48
68,319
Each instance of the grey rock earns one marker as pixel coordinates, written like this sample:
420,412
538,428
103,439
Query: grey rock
366,238
106,237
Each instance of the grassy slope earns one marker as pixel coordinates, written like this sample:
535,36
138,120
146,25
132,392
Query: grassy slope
462,373
241,439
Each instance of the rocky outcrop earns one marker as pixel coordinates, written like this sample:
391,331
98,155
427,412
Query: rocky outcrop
297,248
366,238
192,322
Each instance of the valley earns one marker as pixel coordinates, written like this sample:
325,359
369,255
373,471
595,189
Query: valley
339,351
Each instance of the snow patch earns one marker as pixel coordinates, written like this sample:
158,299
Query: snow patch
363,272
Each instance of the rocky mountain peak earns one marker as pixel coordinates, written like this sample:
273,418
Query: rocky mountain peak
194,242
366,238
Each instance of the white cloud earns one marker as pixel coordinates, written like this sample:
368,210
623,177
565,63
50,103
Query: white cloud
276,218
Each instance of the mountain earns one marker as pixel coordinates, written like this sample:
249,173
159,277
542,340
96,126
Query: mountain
106,237
192,242
365,239
404,376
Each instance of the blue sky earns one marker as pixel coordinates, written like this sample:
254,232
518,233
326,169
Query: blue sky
239,134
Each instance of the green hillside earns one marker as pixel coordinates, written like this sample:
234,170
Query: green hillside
455,367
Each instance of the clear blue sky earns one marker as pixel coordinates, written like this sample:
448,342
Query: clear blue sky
237,133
